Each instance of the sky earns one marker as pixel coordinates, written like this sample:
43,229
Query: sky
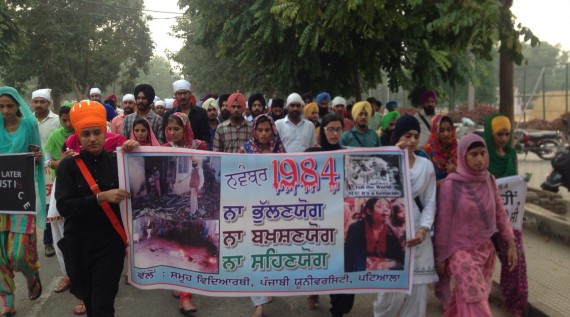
546,18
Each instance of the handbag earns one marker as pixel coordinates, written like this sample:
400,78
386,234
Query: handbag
105,205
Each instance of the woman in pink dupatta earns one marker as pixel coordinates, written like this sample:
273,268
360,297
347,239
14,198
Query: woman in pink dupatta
469,211
140,126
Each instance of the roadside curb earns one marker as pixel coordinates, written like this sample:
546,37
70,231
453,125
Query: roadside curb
547,223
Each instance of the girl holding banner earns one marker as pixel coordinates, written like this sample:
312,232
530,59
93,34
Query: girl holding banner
502,163
422,179
19,133
470,210
264,139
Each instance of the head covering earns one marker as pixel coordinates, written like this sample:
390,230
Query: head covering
434,148
236,96
295,97
404,125
181,84
88,113
256,96
310,108
426,95
211,102
147,91
159,103
338,100
499,123
254,146
499,166
189,141
323,96
169,102
278,103
112,97
359,106
19,141
323,142
129,97
67,104
466,206
391,105
95,91
387,119
42,93
151,140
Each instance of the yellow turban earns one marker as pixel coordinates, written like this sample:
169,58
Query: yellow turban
499,123
310,108
359,106
86,114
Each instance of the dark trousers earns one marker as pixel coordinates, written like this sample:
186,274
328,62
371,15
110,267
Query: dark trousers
104,277
48,238
341,304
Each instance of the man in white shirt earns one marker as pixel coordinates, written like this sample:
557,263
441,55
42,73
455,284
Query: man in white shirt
48,121
297,133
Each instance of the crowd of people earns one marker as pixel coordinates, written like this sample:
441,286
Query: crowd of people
460,222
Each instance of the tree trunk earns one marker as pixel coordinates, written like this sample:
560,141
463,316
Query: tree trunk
506,94
356,82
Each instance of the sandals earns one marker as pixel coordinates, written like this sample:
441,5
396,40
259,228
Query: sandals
187,312
313,301
80,309
35,291
63,285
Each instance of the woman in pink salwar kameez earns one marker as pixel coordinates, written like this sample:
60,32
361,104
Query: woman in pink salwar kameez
469,211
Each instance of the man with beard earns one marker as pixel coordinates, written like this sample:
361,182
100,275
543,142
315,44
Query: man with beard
233,133
160,107
338,107
360,135
128,108
223,104
323,101
427,100
375,121
297,134
256,104
277,109
211,106
198,116
144,95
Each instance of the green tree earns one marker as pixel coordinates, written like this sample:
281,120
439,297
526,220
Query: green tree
9,33
70,46
160,75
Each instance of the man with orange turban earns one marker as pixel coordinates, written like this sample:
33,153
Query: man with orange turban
233,133
92,247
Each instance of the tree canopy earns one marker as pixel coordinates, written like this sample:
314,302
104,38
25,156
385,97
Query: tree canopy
342,46
71,46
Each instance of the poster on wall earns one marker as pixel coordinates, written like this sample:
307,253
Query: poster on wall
284,224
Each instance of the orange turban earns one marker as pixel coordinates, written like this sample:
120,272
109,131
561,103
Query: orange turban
310,108
236,97
86,114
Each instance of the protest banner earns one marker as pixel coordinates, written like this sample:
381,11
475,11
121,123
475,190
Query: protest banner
283,224
513,191
17,184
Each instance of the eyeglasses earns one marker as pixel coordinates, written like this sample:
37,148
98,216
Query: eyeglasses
333,130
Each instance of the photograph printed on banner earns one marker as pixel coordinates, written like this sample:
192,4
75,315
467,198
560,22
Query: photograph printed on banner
375,234
373,176
175,211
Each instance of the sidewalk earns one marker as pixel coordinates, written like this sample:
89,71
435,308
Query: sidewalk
547,249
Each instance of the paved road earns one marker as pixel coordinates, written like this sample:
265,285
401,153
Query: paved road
159,303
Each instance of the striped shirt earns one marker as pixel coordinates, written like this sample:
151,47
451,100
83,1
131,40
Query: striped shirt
230,137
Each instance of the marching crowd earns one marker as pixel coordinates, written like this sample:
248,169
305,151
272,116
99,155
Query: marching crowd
460,222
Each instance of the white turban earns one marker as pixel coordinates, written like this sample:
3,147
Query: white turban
128,97
169,103
95,91
42,93
160,103
295,97
338,100
181,84
211,102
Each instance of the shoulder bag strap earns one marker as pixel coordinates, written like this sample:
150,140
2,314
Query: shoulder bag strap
105,205
357,139
425,121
